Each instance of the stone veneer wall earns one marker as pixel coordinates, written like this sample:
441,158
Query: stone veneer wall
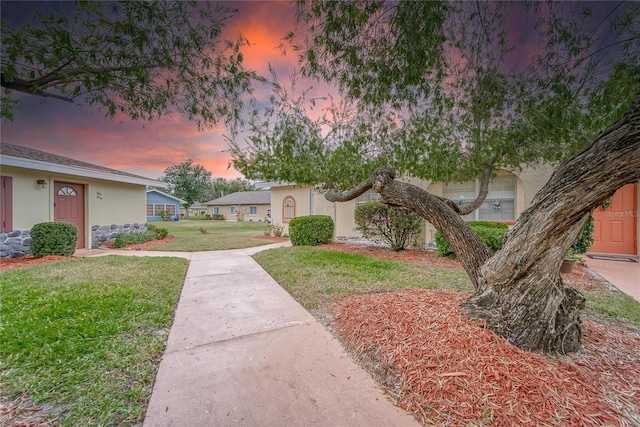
17,243
107,233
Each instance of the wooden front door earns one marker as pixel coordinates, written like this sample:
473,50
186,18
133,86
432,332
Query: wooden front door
69,207
616,227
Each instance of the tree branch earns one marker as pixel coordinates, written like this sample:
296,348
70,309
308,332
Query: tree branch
357,191
23,86
466,209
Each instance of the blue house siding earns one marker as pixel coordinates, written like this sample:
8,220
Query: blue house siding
158,201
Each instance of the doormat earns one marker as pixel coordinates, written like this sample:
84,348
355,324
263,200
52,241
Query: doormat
611,258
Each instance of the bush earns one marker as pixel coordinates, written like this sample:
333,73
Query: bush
585,240
311,230
217,217
397,227
165,215
53,238
158,232
490,232
126,239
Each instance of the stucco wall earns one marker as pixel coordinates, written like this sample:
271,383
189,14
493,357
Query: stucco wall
106,202
528,183
301,196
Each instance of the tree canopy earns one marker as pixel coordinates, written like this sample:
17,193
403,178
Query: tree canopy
445,91
142,59
448,92
221,187
188,181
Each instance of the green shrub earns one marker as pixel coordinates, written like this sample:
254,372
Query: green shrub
311,230
53,238
165,215
158,232
491,234
126,239
217,217
397,227
585,240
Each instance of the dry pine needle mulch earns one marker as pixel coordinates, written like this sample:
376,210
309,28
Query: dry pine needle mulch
448,370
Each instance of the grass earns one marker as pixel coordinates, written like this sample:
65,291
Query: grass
310,275
613,303
222,235
86,335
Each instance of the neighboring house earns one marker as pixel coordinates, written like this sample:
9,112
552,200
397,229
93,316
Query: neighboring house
253,206
510,193
41,187
197,209
159,203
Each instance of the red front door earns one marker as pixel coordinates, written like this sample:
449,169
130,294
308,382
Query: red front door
616,227
69,207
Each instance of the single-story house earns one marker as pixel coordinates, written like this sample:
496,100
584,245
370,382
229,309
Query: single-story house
196,209
42,187
253,206
510,193
159,204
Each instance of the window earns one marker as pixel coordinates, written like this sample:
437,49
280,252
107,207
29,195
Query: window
253,210
234,210
288,209
154,209
67,191
499,204
216,210
367,197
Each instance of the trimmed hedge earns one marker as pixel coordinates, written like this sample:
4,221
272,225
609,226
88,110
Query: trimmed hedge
490,232
126,239
53,238
311,230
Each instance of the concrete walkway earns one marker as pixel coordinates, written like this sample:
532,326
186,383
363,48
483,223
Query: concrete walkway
624,275
242,352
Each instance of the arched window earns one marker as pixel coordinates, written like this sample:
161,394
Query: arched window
288,209
67,191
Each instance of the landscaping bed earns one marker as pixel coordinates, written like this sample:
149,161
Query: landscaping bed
447,370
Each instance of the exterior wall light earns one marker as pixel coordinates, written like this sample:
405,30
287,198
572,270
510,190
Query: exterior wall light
42,183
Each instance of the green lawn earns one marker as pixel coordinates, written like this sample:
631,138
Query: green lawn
222,235
86,335
311,274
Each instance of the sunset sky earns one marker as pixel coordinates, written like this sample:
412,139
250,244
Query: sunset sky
148,148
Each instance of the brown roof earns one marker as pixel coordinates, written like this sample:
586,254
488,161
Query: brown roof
19,151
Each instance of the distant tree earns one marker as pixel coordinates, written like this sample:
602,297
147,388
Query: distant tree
187,181
431,90
221,187
143,59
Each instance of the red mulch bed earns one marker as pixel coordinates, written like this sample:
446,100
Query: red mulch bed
447,370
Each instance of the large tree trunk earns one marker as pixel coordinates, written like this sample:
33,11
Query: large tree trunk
521,294
519,291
